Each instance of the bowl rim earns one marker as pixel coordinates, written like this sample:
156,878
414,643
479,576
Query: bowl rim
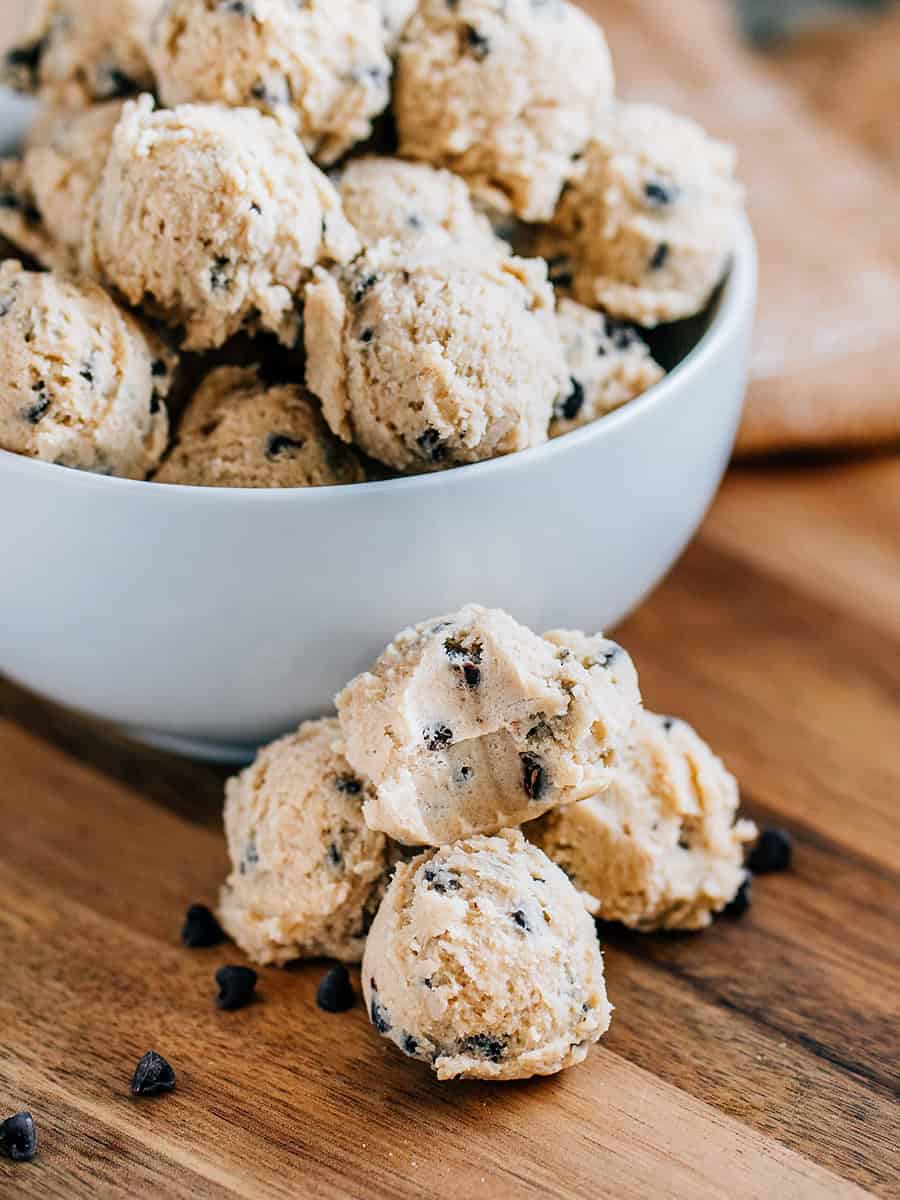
737,295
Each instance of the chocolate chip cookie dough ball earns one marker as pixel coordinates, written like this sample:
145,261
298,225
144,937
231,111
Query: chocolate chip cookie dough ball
609,364
76,52
471,722
416,204
650,219
321,67
503,94
45,197
433,361
307,875
212,218
483,962
82,383
661,848
238,432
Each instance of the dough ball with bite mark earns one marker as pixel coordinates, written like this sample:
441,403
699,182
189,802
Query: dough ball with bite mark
307,874
82,383
483,962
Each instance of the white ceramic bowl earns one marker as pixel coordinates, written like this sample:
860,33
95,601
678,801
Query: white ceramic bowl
210,619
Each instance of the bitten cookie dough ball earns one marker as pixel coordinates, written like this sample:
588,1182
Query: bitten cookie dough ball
238,432
503,94
609,364
76,52
483,962
429,362
414,203
307,875
321,66
471,722
661,848
212,218
45,197
82,383
649,221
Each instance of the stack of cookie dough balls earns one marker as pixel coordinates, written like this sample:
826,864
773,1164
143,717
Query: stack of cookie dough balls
482,959
219,168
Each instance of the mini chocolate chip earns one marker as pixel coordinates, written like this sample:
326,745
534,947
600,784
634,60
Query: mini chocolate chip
573,403
660,257
437,737
27,59
158,368
478,43
200,928
455,648
532,776
410,1045
254,208
238,7
464,774
431,445
414,221
742,901
622,335
34,413
608,657
521,920
379,1015
250,857
668,723
362,287
18,1137
367,335
152,1075
660,193
334,856
442,879
472,675
218,274
281,443
236,987
773,852
348,784
9,200
155,403
483,1045
87,373
335,992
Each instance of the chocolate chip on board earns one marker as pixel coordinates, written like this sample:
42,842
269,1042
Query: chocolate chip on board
152,1076
742,901
335,992
18,1137
200,928
773,852
237,986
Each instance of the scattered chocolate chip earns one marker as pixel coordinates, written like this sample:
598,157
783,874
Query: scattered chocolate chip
464,774
431,445
236,987
571,405
335,992
281,443
414,221
18,1137
367,335
250,857
410,1045
437,737
773,852
521,920
455,648
200,928
238,7
255,208
478,43
363,287
661,193
158,368
379,1015
608,657
668,723
25,61
742,901
218,274
441,879
532,776
482,1045
622,335
155,403
334,856
472,675
152,1076
87,374
348,784
37,410
660,257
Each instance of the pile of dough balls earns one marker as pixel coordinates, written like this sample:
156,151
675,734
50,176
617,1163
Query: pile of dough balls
328,194
481,795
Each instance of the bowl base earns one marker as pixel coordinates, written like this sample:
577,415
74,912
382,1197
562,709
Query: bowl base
235,753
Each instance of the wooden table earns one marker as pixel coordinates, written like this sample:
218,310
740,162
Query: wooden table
758,1059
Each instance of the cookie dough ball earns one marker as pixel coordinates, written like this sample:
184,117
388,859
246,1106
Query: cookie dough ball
212,218
471,722
661,848
650,220
414,203
239,432
321,67
76,52
503,94
483,962
82,383
429,362
306,874
609,364
45,196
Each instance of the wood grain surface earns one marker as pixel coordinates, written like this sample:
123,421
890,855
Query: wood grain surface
758,1059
